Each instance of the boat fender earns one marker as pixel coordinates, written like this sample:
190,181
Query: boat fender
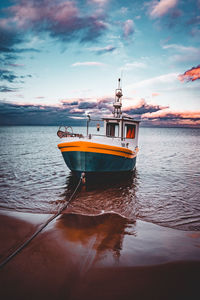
83,178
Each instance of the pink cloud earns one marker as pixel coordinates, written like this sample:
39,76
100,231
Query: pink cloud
162,7
59,18
171,118
155,94
26,13
190,75
128,28
169,114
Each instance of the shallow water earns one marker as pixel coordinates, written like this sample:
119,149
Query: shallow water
164,189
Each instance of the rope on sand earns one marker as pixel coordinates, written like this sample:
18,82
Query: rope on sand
20,248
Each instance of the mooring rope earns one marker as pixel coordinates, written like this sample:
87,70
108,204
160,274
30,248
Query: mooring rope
2,264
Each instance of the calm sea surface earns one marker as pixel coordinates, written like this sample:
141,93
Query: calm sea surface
164,189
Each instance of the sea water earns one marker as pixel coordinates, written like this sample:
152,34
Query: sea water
164,188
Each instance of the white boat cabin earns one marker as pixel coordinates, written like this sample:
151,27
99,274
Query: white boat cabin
118,130
124,128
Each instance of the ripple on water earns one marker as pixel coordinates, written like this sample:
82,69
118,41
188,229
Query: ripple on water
164,189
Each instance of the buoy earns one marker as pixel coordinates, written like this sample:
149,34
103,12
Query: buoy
83,178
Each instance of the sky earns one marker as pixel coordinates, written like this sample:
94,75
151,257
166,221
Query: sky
60,60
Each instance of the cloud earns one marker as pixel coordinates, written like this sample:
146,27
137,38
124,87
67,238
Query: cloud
73,112
124,10
9,37
103,50
194,21
14,65
6,89
60,19
94,104
155,94
168,114
171,118
98,2
154,82
24,114
182,53
87,105
134,65
141,108
190,75
7,75
40,97
128,28
88,64
160,8
180,48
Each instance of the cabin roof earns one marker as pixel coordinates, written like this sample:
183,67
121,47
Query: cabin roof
121,119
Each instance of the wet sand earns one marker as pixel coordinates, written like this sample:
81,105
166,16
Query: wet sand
97,257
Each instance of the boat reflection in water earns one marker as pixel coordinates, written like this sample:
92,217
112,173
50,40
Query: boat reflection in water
100,216
97,238
104,194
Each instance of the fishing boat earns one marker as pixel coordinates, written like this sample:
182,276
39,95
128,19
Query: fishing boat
113,149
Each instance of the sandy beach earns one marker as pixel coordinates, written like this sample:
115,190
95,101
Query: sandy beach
99,257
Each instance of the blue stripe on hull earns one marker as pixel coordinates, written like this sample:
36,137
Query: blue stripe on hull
97,162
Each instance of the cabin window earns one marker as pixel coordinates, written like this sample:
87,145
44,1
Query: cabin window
112,129
130,131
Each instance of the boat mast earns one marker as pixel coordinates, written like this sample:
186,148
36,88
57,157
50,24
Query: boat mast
118,101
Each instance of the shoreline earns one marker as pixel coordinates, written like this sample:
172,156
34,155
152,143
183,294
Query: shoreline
99,257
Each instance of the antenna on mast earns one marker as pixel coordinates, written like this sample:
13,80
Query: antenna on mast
118,101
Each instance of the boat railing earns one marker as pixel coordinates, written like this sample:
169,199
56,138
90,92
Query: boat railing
105,136
67,131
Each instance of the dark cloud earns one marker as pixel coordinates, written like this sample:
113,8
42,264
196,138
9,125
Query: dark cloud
66,103
26,76
11,77
6,89
63,114
16,114
9,37
142,107
86,105
7,75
